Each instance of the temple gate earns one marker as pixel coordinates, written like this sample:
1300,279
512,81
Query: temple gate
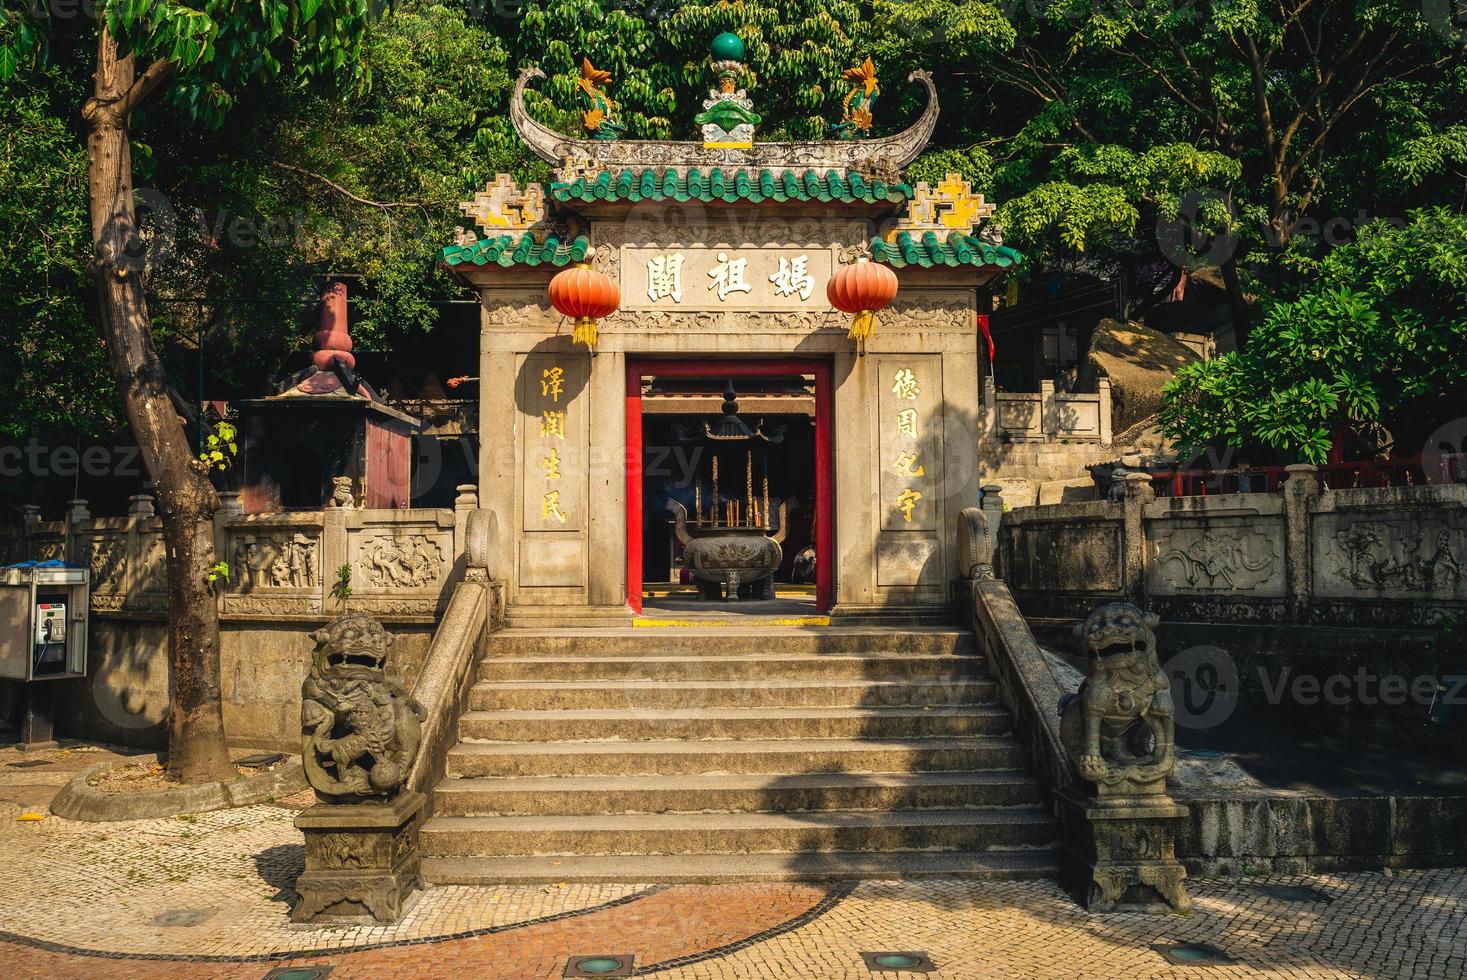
723,251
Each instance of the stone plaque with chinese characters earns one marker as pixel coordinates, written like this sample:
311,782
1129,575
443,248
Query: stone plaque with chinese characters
552,393
910,462
725,278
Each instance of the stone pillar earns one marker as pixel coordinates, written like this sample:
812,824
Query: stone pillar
1103,387
464,504
230,504
140,506
1301,490
990,410
30,515
992,506
1138,493
1048,410
333,556
76,511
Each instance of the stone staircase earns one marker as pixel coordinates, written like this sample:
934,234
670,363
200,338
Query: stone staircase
660,755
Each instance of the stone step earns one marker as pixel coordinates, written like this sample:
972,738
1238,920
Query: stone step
994,865
770,792
657,695
671,757
633,724
674,667
792,641
736,833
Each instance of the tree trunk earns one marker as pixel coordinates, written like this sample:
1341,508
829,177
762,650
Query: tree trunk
1238,311
197,751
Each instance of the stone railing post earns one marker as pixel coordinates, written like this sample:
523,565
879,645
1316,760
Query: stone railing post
140,506
990,409
1301,489
333,556
1138,493
1048,410
77,514
1102,385
229,507
992,506
464,504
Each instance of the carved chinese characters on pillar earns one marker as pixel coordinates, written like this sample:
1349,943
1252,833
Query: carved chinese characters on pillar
552,442
908,458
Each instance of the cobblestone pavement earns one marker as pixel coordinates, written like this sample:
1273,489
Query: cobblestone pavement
208,896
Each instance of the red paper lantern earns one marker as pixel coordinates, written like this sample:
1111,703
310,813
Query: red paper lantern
586,296
862,289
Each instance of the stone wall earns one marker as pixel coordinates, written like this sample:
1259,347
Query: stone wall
1388,557
1321,584
403,566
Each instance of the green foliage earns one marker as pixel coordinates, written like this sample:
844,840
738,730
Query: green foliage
1378,336
341,588
54,371
218,572
220,447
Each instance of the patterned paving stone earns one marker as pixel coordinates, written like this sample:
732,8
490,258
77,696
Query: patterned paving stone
91,898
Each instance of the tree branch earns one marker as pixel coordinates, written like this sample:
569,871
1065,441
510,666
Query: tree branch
143,86
383,205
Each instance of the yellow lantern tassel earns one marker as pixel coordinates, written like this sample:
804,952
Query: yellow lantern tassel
862,326
585,332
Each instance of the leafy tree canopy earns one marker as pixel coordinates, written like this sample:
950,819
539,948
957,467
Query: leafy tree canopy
1378,338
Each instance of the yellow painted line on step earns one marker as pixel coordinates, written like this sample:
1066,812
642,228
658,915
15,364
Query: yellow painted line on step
750,621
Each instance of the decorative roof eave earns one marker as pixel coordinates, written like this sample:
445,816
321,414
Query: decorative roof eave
730,186
522,249
928,251
885,156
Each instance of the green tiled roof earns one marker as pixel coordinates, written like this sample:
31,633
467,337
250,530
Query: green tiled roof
959,248
731,186
523,249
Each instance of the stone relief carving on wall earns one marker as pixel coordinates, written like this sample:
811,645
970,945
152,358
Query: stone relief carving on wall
276,560
109,563
1207,559
413,561
1376,556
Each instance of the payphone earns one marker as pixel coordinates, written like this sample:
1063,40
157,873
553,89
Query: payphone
43,635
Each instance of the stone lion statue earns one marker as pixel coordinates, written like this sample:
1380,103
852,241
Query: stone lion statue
1118,728
360,730
341,493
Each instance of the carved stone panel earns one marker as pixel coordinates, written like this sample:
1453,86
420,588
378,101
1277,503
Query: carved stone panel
274,559
1221,556
394,559
1391,557
1063,556
109,562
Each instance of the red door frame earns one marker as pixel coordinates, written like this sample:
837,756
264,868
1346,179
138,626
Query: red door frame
638,369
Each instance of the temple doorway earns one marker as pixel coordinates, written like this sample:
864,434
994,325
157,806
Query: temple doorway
728,488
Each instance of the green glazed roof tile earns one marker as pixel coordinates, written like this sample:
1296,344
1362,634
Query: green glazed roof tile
928,250
729,186
522,249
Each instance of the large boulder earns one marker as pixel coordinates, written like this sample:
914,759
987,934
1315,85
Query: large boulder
1138,361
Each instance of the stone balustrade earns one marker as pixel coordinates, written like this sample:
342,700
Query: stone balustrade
1386,557
1047,416
294,565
